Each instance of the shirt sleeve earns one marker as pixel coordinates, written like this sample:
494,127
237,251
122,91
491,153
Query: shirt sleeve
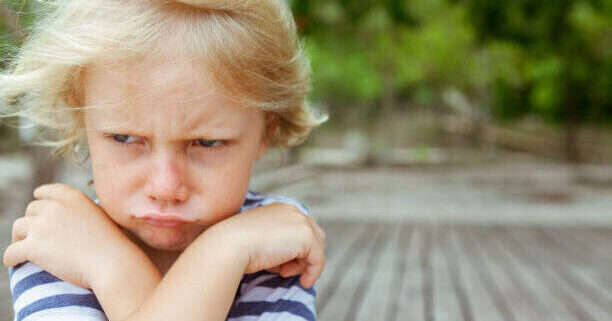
39,296
254,199
266,296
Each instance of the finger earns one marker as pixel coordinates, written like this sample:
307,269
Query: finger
320,232
293,267
35,207
301,266
20,229
314,266
15,254
274,269
56,191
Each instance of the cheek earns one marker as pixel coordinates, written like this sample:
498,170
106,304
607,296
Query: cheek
111,180
227,179
227,168
221,189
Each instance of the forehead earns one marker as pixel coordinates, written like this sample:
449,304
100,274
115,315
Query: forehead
176,92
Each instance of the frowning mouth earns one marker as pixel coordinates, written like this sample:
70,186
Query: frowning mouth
164,220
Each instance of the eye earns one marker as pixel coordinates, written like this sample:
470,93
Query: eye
208,143
122,138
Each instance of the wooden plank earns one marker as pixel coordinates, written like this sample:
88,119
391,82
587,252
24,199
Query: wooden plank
600,247
593,300
411,301
349,240
372,264
589,296
401,257
427,275
458,283
481,301
596,278
374,305
336,302
593,269
337,235
446,305
603,232
574,248
545,297
486,278
557,286
523,303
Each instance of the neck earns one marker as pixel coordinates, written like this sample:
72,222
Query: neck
161,258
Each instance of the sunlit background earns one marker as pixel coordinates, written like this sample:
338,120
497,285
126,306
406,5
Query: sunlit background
465,172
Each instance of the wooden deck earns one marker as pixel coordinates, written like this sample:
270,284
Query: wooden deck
389,272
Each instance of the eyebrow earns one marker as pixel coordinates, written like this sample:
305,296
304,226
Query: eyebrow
192,128
219,132
193,134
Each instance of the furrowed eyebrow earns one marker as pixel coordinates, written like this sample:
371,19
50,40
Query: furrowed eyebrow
206,136
214,133
122,127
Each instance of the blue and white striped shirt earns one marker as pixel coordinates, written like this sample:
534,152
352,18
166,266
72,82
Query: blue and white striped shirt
262,296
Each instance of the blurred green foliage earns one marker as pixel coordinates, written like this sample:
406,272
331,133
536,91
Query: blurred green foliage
14,17
509,58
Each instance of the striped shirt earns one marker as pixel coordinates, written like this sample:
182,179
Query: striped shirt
261,296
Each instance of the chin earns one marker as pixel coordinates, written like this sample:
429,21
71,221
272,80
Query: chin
167,241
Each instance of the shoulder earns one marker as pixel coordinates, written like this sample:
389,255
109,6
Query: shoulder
272,297
254,199
37,294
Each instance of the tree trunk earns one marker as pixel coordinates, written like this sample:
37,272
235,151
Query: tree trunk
572,125
386,113
571,145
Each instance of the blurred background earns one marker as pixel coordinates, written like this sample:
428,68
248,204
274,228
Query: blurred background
466,169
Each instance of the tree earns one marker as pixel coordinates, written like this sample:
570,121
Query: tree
567,69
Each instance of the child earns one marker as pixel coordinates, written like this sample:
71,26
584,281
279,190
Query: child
173,101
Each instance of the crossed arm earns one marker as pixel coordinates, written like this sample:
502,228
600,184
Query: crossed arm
92,252
200,285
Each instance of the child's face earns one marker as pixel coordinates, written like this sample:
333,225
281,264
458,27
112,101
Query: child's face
180,148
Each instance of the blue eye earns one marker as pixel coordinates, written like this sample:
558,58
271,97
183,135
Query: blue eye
122,138
208,143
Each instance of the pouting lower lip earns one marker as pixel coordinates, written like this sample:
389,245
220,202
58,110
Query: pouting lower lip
164,223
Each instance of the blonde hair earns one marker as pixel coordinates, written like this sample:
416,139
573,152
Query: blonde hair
250,47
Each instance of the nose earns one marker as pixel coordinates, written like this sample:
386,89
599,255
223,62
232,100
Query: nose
167,181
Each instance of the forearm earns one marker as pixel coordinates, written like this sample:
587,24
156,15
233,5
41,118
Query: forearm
122,288
201,285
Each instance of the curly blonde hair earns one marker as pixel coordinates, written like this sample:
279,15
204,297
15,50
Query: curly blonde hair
250,47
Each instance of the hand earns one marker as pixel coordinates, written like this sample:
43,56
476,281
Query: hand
277,237
66,234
